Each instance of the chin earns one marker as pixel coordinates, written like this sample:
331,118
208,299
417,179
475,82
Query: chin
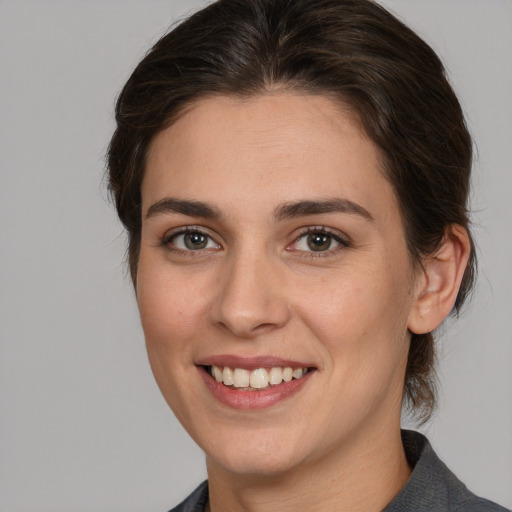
259,456
249,464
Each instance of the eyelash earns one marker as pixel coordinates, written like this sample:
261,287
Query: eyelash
167,241
322,230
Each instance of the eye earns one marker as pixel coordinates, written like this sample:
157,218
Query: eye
191,240
318,240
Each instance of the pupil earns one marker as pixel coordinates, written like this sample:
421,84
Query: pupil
319,242
195,241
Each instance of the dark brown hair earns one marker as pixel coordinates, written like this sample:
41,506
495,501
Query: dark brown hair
352,50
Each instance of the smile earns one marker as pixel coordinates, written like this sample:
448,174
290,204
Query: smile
256,379
253,383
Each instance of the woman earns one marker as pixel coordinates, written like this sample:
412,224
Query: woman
293,177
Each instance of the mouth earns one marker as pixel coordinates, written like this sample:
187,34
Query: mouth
253,383
256,379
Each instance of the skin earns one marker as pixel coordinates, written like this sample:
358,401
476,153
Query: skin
257,289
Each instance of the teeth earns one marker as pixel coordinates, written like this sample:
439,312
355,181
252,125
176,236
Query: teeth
287,374
276,376
217,373
260,378
241,378
298,373
227,376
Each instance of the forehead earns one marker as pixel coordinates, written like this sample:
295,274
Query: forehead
284,117
280,147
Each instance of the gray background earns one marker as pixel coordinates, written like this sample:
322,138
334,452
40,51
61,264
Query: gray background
82,425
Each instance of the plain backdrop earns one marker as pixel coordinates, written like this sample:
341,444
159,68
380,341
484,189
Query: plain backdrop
82,424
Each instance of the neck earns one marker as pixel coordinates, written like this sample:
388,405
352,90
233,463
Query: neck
360,476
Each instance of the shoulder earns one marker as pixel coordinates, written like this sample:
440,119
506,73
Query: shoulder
476,504
432,487
196,502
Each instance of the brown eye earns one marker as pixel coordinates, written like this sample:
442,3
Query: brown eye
319,241
195,241
191,241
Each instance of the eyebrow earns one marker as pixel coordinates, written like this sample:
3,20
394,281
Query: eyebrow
282,212
186,207
335,205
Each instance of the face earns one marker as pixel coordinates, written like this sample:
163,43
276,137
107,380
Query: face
273,249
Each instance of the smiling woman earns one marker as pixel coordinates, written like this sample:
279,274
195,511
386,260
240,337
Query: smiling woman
303,269
294,176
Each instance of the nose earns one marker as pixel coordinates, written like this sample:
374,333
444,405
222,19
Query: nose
251,297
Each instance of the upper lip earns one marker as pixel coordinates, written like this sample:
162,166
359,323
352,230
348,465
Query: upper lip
251,363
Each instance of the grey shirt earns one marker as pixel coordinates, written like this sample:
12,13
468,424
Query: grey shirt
431,488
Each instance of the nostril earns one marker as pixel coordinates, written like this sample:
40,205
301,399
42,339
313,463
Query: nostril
248,329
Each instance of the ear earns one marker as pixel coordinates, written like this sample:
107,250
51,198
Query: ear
439,281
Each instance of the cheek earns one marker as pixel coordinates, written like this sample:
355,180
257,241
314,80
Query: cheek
171,307
171,310
361,317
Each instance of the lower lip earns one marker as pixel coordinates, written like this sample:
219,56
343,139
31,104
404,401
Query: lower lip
251,400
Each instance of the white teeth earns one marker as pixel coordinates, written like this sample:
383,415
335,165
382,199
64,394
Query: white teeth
260,378
227,376
217,373
298,373
241,378
287,374
276,376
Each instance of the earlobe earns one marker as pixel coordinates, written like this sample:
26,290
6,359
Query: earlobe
439,282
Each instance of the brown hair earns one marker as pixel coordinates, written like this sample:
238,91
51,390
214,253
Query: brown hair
352,50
